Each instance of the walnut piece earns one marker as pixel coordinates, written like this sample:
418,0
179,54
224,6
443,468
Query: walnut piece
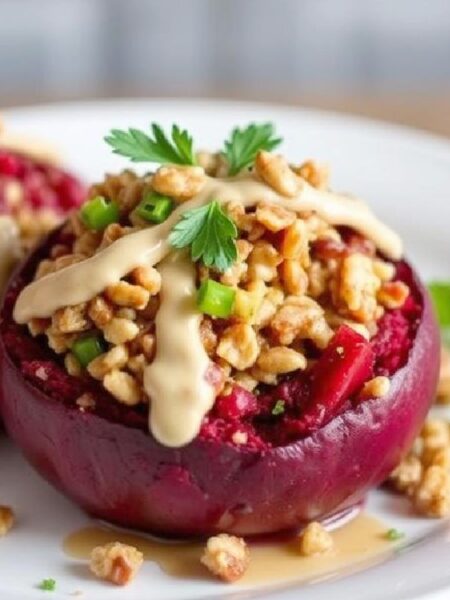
6,519
315,540
226,556
116,562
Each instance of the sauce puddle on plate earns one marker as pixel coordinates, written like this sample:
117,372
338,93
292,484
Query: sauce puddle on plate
360,542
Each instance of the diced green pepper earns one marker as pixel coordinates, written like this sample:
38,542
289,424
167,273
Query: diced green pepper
87,348
99,212
154,207
215,299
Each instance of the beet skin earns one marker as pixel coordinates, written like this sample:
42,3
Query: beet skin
118,472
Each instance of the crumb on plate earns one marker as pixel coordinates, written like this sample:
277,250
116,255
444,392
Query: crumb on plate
116,562
226,556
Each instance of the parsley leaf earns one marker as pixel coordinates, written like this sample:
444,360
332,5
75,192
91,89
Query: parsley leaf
210,233
278,408
140,147
47,585
244,144
440,294
394,534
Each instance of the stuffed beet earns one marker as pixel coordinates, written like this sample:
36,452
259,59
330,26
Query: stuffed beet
35,195
221,346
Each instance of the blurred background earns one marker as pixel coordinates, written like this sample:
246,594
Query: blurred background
382,58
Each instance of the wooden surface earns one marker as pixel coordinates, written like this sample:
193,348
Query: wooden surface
429,112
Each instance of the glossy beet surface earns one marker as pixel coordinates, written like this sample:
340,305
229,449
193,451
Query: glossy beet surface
114,469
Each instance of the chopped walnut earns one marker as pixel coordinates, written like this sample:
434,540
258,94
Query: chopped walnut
72,365
226,556
126,294
294,277
301,318
116,562
295,243
6,519
358,287
147,277
314,173
116,358
276,172
376,387
432,495
71,319
435,433
100,311
273,217
123,387
263,262
407,474
280,359
179,181
393,294
85,402
119,331
239,346
315,540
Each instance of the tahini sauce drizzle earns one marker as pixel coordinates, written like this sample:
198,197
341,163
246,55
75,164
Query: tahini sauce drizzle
177,375
82,281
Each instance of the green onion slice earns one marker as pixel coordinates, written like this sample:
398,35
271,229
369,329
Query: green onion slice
215,299
87,348
99,212
154,207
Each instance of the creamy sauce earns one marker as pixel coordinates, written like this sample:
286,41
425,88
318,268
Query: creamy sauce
10,251
82,281
179,369
357,545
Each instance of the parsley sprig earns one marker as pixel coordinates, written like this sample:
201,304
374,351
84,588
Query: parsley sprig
244,144
394,534
47,585
140,147
240,149
278,408
440,294
210,233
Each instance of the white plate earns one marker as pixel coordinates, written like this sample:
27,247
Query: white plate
405,175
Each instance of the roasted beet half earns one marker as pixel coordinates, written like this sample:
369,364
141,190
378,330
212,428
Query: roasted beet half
292,470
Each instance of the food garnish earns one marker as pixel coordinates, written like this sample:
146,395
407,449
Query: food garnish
210,233
99,212
215,299
154,207
278,408
240,149
47,585
87,348
140,147
244,144
394,534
